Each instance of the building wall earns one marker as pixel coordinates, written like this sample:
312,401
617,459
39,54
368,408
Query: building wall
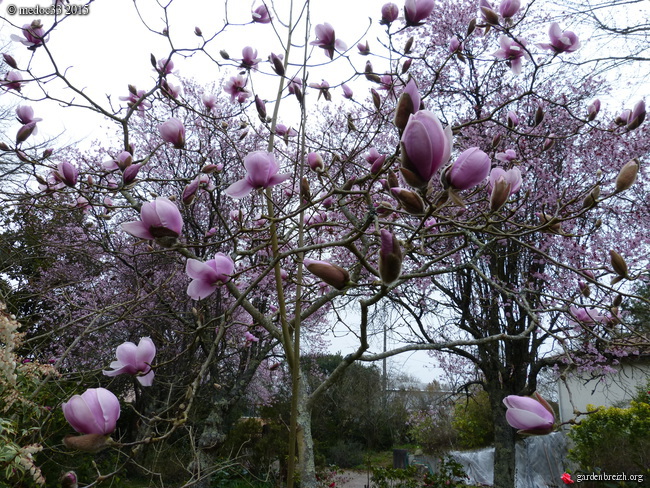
612,390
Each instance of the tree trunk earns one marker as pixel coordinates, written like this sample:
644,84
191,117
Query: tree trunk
504,442
212,437
305,440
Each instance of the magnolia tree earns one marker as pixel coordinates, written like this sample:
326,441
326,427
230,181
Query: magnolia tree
473,186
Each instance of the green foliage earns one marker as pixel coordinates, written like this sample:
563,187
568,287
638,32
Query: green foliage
615,439
473,421
432,429
395,478
451,474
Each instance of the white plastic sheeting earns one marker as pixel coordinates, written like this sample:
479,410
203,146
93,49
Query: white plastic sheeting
540,462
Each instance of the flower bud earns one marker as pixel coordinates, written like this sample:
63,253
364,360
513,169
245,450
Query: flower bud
618,263
411,202
315,162
593,109
198,31
390,258
376,100
331,274
408,45
10,60
88,442
627,176
500,193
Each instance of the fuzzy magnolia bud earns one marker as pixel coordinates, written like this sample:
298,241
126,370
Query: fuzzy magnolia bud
408,45
500,193
627,176
198,31
88,442
390,258
539,115
618,263
376,100
411,202
592,199
331,274
550,223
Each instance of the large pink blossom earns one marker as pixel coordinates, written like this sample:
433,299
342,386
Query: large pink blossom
327,40
93,412
469,169
261,172
426,147
135,360
416,11
173,132
160,218
512,51
561,41
34,35
236,88
528,415
206,277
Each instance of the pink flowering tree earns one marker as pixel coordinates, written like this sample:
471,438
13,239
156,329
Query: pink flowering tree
471,185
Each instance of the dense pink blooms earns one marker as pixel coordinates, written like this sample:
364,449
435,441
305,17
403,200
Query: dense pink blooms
173,132
135,360
261,172
236,88
93,412
389,13
206,277
160,218
416,11
561,41
512,51
508,8
469,169
261,15
326,39
426,148
528,415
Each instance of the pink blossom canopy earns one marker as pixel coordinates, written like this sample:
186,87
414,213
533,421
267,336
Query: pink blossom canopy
93,412
206,277
261,172
132,359
160,218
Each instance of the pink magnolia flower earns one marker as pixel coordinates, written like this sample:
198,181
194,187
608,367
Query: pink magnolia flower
66,173
426,147
323,88
512,119
506,156
209,101
347,91
408,104
561,41
261,172
13,81
25,131
593,109
249,58
284,131
315,162
588,315
25,115
326,39
389,14
93,412
512,177
165,66
636,116
364,49
415,11
455,45
512,51
508,8
530,416
261,15
34,35
375,159
135,360
250,337
160,218
206,277
173,132
469,169
132,99
236,88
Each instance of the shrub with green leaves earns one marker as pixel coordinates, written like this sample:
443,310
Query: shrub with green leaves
615,439
473,421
